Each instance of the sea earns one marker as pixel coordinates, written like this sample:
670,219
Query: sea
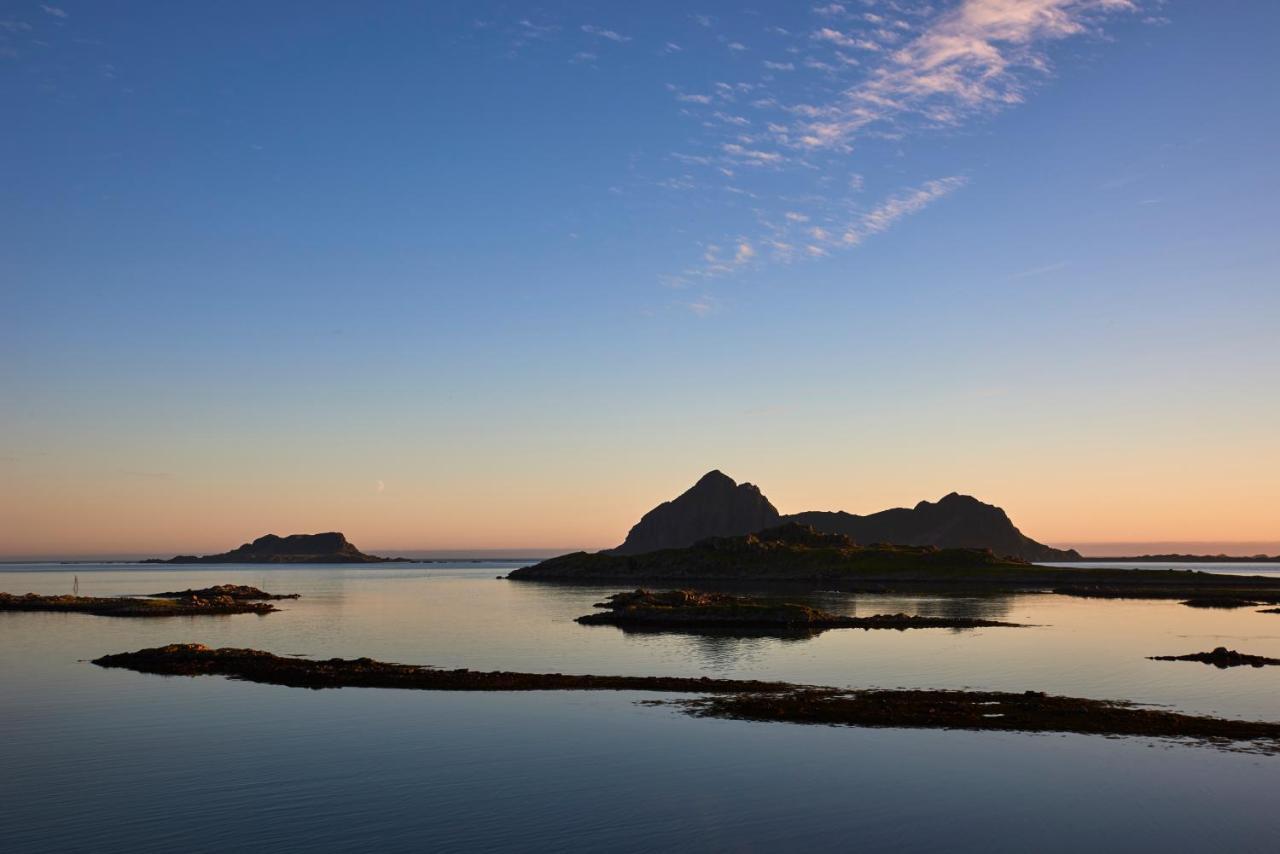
99,760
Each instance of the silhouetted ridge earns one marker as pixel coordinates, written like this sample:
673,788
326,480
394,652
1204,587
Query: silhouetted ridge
953,522
716,506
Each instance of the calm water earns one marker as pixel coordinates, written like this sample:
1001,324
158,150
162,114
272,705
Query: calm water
97,760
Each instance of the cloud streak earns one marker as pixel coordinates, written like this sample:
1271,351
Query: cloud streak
979,57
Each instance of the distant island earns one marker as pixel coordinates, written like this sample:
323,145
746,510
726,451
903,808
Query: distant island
1181,558
331,547
718,506
798,553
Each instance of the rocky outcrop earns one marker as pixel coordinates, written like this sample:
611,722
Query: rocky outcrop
715,506
252,665
119,606
955,522
1029,711
238,592
331,547
1221,658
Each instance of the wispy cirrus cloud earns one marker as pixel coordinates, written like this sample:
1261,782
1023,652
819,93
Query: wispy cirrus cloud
978,57
792,154
611,35
869,72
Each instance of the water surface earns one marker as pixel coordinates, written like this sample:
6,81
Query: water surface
99,760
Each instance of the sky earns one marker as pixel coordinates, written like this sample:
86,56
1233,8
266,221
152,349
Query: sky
465,275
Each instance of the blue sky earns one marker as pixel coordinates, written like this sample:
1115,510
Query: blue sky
389,268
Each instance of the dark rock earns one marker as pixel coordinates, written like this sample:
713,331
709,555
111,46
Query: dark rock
1219,602
111,606
253,665
1222,658
1030,711
238,592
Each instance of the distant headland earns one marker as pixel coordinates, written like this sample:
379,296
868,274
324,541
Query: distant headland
330,547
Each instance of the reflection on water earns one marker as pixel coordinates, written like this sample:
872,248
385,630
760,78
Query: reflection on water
117,761
722,649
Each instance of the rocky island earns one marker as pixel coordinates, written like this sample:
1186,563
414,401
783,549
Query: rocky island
688,609
787,552
211,601
331,547
792,552
1222,658
1031,711
251,665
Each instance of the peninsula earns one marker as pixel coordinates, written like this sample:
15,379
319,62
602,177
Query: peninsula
331,547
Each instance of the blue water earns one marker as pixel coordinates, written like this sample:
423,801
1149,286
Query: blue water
113,761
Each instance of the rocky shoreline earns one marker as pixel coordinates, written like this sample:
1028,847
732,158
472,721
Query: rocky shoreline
1031,711
251,665
689,609
212,601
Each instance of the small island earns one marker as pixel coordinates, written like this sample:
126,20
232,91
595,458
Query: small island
1030,711
1222,658
330,547
211,601
691,609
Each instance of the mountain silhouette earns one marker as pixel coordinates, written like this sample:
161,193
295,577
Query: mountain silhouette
953,522
717,506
